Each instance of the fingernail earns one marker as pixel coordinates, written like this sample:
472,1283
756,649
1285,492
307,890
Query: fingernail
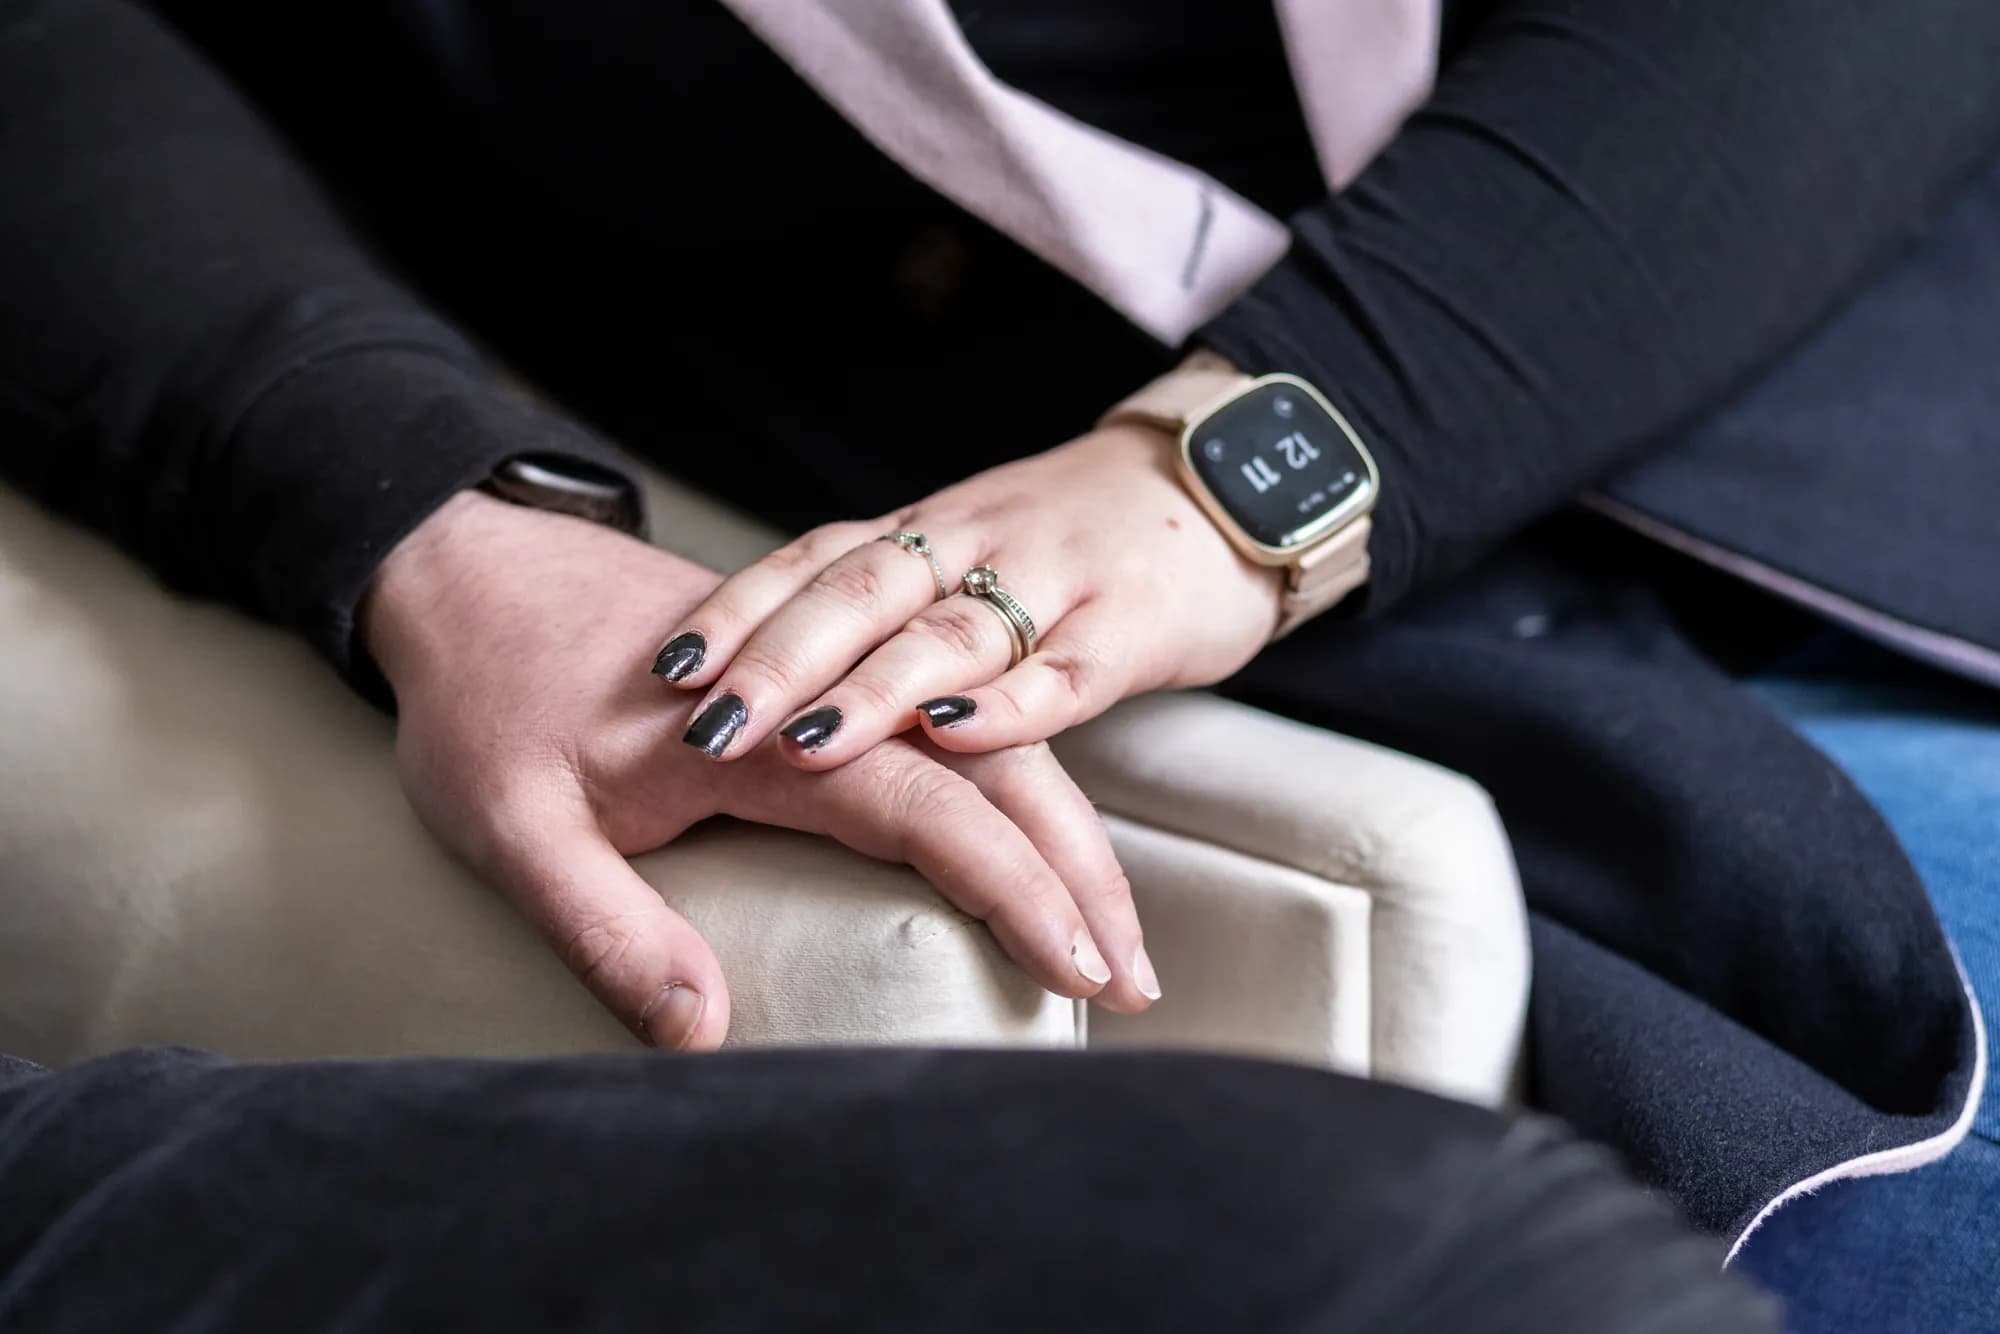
682,657
1083,953
1142,973
717,725
670,1021
810,731
947,710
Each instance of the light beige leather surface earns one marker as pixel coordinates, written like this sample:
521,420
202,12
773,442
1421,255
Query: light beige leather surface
201,841
1309,896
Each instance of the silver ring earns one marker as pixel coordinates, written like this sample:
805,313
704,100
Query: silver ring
983,582
916,542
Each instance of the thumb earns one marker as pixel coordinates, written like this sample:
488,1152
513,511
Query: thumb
644,961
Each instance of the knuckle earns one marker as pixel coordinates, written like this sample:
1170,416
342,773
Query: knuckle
1024,772
773,665
1112,889
1009,691
730,609
799,558
928,797
875,693
939,819
858,582
1071,673
956,629
594,950
937,809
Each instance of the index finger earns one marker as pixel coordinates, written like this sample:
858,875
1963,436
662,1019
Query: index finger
901,805
1030,787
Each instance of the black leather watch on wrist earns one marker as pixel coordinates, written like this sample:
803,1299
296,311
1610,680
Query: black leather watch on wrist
564,486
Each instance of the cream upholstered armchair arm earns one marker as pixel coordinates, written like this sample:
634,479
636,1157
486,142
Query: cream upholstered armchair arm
1311,897
202,841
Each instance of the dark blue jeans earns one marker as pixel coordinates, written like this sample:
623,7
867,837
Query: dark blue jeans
815,1190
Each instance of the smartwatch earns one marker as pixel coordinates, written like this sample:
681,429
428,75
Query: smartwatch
1277,469
566,487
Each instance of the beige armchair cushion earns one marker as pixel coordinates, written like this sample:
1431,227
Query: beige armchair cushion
1311,897
202,841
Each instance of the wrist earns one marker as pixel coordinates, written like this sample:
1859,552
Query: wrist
1280,472
1144,455
476,560
413,579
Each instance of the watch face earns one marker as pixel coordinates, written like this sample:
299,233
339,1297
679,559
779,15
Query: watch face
1279,464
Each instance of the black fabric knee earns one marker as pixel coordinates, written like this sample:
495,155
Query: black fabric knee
815,1190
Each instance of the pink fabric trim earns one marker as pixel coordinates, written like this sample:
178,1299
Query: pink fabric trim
1902,1158
1164,244
1361,67
1951,654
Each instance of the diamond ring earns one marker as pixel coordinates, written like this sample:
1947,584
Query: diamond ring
983,582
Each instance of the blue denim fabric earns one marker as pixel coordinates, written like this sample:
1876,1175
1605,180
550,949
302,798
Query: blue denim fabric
1920,1251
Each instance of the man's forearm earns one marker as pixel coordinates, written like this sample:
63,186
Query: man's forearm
195,356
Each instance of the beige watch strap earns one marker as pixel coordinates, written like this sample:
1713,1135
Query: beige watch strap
1177,398
1325,575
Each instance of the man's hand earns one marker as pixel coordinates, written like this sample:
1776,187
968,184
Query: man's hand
533,741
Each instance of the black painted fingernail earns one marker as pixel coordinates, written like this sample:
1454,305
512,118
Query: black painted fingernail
717,726
947,710
682,657
810,731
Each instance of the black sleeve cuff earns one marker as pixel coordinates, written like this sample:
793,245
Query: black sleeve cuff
338,461
1264,332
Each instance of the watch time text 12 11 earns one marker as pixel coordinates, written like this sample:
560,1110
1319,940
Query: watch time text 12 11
1280,464
1278,470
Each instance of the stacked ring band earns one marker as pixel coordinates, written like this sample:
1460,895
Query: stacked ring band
916,542
983,582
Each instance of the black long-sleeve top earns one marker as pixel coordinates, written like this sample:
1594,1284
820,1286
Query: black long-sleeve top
1608,215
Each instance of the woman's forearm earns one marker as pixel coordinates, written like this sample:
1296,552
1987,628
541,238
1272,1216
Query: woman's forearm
1608,216
195,357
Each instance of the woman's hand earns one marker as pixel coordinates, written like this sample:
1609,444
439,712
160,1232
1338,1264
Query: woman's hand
532,741
842,640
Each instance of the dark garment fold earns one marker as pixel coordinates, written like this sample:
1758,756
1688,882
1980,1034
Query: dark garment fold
1738,977
816,1190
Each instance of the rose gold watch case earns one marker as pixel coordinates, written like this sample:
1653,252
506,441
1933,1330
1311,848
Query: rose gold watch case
1315,534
